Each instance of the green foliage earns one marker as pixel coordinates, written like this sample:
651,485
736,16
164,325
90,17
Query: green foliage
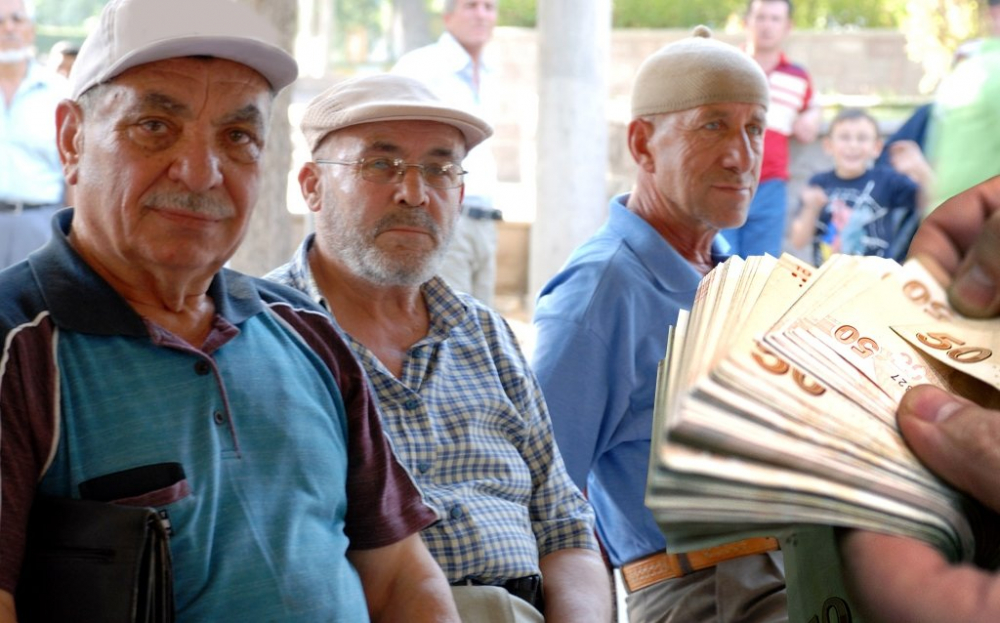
516,13
685,14
823,14
673,13
359,14
63,19
67,13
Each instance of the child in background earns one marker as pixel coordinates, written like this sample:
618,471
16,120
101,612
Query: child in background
858,209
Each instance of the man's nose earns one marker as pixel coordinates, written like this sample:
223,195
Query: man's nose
740,153
198,165
411,186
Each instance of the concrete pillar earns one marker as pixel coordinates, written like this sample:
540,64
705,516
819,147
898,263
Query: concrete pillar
574,44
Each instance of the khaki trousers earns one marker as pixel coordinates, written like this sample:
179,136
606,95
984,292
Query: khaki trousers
493,604
750,589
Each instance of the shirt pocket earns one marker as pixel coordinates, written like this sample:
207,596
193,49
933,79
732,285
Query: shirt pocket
159,485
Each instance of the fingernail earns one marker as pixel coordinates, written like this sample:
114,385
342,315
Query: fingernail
976,288
934,406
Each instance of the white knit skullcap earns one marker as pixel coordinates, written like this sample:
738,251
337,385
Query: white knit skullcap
694,72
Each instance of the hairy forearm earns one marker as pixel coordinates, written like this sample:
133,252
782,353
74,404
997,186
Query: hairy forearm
403,583
576,587
426,600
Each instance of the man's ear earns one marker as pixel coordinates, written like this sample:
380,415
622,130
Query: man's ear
310,182
69,138
640,132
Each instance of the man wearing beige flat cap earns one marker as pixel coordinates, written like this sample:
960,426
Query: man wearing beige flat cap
457,397
137,370
698,117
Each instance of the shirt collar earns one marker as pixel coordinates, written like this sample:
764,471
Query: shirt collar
671,270
445,308
299,273
457,59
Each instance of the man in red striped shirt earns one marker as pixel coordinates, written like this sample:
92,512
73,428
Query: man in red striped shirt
793,113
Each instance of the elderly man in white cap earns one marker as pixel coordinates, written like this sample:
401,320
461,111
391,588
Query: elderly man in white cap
457,396
137,370
698,118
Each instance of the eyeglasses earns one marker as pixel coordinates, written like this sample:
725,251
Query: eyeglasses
16,18
392,170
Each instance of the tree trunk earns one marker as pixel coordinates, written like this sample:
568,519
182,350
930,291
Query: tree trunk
411,25
270,239
574,42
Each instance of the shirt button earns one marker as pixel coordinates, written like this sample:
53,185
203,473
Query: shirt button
423,466
202,367
219,417
412,404
456,512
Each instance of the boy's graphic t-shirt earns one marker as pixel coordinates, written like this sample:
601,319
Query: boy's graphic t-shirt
874,214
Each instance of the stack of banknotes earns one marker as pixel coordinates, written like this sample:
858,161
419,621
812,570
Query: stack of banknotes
776,403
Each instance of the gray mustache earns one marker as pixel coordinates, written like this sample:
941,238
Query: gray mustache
408,218
198,204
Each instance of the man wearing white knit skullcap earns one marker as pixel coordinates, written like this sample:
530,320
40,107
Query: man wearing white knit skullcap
699,111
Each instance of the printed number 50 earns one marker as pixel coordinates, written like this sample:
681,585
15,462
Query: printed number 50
965,354
835,610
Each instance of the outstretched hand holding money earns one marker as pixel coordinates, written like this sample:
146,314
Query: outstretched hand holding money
899,579
960,244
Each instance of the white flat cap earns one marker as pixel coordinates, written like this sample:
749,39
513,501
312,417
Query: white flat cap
384,97
135,32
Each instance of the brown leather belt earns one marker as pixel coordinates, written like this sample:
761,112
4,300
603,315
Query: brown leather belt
662,566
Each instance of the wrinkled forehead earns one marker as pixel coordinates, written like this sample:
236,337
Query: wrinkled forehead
186,88
187,70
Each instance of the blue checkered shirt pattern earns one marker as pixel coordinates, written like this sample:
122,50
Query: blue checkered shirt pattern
467,418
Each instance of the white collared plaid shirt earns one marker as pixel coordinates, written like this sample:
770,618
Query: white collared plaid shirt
467,418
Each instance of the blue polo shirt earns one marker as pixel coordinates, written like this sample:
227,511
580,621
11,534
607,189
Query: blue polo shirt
269,420
602,326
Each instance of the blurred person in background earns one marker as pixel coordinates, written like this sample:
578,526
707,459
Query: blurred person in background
857,208
61,57
793,113
963,142
455,68
31,181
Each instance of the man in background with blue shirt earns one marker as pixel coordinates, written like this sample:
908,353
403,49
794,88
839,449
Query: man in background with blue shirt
458,399
697,135
31,180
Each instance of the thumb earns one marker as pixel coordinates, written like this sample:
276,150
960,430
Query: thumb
955,438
